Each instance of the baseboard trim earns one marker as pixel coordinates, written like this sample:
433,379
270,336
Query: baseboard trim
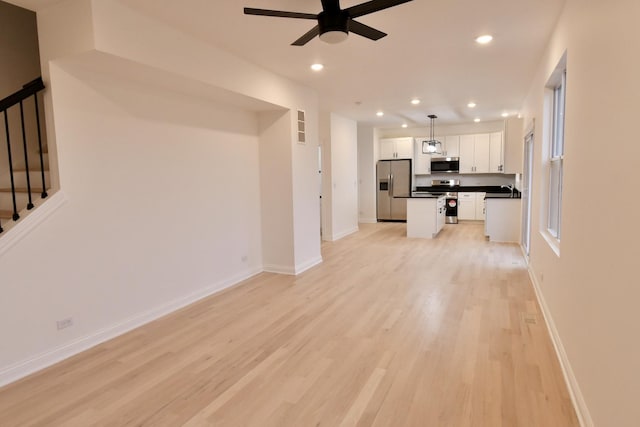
577,398
307,265
368,220
44,360
25,225
343,234
279,269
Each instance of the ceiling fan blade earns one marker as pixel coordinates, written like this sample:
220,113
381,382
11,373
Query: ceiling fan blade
330,5
279,13
372,6
365,30
307,37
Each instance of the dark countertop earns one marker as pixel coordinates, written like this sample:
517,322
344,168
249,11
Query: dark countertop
502,196
494,190
418,196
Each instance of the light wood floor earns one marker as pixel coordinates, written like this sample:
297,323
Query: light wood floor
386,332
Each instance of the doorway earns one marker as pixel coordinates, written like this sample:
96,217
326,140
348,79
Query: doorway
527,178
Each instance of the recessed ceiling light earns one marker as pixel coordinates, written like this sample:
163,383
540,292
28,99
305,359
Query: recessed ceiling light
471,104
476,120
379,114
484,39
505,114
317,67
415,101
404,125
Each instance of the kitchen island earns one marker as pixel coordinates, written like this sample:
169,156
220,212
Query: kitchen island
425,216
503,218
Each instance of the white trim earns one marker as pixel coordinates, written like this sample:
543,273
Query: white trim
279,269
577,398
368,220
28,222
26,367
342,234
553,243
307,265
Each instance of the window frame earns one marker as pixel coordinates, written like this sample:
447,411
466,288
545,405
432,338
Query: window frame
556,158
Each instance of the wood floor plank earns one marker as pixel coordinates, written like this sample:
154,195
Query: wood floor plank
387,331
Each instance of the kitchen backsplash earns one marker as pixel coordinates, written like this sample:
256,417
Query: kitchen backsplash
466,180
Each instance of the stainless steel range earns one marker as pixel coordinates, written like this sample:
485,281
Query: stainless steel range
448,188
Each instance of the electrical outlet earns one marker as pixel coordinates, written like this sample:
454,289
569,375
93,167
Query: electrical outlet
64,323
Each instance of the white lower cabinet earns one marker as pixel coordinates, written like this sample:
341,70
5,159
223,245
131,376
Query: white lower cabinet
425,216
480,206
471,206
503,220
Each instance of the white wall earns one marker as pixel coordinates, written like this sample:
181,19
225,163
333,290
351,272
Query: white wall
275,191
157,212
367,156
590,290
161,157
340,203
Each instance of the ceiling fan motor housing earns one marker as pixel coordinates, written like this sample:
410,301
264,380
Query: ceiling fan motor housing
334,26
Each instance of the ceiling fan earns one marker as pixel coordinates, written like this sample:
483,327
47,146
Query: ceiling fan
334,23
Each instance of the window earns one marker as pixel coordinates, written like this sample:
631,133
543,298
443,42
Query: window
556,157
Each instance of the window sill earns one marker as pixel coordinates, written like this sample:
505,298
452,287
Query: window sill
553,243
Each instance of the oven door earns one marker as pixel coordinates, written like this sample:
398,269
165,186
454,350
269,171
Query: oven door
452,210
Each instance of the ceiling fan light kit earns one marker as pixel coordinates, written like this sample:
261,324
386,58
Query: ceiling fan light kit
333,23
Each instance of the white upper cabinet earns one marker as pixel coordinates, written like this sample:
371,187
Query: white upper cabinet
421,161
496,153
467,153
451,145
396,148
404,148
481,153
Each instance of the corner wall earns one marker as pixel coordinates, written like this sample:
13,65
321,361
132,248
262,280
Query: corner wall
590,291
158,146
340,155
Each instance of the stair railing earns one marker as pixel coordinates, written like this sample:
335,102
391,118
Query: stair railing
30,89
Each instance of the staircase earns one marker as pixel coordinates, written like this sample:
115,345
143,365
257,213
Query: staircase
24,160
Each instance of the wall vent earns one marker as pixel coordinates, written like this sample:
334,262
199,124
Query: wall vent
301,128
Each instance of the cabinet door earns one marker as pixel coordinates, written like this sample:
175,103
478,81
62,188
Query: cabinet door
467,144
480,206
387,149
404,148
422,162
466,205
466,209
452,145
482,153
496,153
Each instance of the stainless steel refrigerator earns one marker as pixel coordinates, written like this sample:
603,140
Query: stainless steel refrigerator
394,186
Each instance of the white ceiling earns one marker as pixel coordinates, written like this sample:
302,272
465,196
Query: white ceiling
429,53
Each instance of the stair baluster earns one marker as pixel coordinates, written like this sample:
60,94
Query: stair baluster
10,158
26,157
44,186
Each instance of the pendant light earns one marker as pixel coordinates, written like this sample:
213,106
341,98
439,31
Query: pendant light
432,146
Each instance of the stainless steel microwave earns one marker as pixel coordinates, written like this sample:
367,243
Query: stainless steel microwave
445,165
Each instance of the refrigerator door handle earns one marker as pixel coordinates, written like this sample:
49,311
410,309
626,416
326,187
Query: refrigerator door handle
391,186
